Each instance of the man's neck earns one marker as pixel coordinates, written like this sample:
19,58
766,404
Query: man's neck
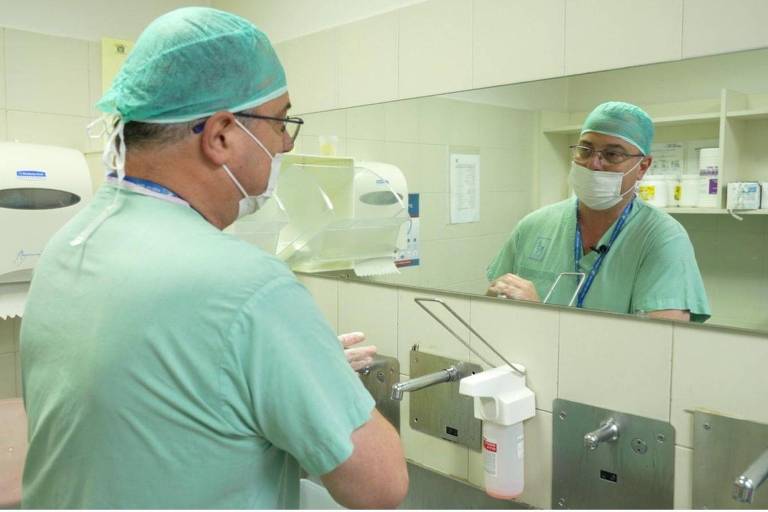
200,187
594,223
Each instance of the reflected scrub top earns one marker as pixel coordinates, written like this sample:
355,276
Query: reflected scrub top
167,364
650,267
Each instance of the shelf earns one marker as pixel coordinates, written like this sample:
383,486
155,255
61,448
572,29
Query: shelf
748,114
658,121
712,211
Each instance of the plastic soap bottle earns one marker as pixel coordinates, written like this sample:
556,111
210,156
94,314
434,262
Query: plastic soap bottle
502,401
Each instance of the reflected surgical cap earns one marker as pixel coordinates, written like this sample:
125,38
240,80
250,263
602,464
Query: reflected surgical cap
623,120
191,63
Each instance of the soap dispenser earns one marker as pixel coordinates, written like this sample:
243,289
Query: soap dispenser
502,402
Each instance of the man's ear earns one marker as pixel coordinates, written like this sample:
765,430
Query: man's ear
216,139
645,164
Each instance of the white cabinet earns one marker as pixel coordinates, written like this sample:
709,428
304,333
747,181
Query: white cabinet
609,34
716,26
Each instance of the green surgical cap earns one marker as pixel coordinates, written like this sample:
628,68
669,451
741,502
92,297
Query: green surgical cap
623,120
191,63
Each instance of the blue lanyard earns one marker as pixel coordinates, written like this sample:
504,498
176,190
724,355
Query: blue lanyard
148,185
578,251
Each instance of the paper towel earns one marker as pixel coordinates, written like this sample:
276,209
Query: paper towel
13,298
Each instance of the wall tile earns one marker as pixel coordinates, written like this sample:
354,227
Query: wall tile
8,339
3,125
616,363
524,334
416,327
435,48
718,370
375,150
366,122
332,122
401,121
537,465
49,129
713,26
683,478
326,294
435,116
368,60
433,165
94,78
8,375
502,28
46,73
373,310
2,69
608,34
311,68
443,456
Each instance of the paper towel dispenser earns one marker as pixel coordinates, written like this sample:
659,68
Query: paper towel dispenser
333,213
41,188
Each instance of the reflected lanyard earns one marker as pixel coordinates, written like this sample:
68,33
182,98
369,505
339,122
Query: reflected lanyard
148,188
578,251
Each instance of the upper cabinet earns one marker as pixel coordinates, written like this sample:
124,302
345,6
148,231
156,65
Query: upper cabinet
517,41
610,34
435,48
717,26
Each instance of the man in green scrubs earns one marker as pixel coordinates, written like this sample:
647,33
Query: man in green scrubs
629,257
165,363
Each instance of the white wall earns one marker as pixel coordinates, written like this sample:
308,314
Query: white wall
87,19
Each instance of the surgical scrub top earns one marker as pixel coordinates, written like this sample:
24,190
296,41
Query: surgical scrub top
651,265
167,364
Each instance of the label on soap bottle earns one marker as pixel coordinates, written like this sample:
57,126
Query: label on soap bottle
489,456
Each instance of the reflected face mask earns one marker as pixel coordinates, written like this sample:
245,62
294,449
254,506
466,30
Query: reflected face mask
598,190
251,204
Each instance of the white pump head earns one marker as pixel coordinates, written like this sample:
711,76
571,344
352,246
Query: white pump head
501,395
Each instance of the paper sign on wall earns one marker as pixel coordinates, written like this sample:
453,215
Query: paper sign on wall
113,54
465,188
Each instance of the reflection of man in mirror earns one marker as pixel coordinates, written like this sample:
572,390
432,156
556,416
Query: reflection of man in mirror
634,257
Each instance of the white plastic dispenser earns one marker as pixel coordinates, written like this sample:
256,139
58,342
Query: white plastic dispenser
333,213
502,402
41,188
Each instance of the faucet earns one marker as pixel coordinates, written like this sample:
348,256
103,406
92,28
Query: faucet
608,431
450,374
746,484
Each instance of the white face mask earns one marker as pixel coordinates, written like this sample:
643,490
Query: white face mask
598,190
250,204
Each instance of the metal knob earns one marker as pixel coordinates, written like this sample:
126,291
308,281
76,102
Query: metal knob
608,431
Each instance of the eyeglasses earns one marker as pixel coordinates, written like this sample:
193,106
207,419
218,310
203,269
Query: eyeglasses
291,125
612,156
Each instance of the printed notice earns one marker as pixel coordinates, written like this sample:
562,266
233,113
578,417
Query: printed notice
465,188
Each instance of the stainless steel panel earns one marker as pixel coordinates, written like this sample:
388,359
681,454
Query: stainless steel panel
636,471
440,410
378,380
722,449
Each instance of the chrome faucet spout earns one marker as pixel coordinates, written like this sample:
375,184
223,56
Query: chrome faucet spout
447,375
746,484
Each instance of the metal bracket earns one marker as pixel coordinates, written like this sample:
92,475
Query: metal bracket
632,466
723,449
378,379
440,410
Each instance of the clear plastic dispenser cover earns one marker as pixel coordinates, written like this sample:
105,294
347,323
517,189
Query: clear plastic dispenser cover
332,213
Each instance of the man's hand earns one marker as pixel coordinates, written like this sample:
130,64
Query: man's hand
510,286
358,358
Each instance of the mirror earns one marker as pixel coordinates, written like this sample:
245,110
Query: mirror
521,135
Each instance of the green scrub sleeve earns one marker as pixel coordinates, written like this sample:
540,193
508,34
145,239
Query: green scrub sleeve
306,399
